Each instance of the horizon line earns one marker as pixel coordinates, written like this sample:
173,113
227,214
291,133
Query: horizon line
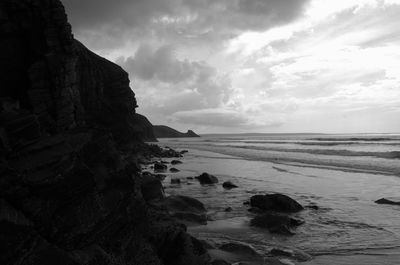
288,133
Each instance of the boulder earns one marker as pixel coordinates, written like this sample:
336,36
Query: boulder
174,170
312,206
175,181
159,166
387,201
296,221
181,249
228,185
157,151
206,178
175,162
275,202
280,224
239,249
146,173
161,177
170,153
206,244
228,209
185,209
151,188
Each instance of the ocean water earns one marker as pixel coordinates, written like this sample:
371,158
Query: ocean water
342,174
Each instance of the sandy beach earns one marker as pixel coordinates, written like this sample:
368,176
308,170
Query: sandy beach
345,227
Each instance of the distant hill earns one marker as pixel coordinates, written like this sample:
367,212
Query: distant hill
162,131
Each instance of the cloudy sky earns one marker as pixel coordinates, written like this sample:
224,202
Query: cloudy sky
253,65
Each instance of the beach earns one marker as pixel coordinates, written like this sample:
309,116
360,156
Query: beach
342,225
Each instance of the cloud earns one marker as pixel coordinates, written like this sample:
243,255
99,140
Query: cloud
96,14
173,84
245,65
212,117
235,119
162,64
103,22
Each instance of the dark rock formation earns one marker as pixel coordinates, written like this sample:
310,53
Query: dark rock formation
228,185
175,246
206,178
386,201
241,249
280,224
162,131
228,209
151,187
158,166
175,181
312,206
207,245
70,184
174,170
185,209
161,177
191,133
176,162
157,151
275,202
108,100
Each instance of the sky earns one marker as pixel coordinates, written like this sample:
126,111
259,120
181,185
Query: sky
237,66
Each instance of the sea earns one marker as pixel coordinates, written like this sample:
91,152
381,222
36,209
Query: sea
342,174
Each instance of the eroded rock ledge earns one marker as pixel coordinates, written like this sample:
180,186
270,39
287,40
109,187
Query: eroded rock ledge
69,144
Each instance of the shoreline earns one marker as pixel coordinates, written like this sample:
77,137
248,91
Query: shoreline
279,158
225,224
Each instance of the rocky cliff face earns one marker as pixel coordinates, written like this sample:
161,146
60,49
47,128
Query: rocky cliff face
69,143
56,78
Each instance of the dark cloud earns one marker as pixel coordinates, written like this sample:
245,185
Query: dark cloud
169,19
88,14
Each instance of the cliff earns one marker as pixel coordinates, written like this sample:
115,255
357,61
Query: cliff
70,139
162,131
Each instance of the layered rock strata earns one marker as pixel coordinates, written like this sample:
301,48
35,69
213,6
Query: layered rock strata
70,139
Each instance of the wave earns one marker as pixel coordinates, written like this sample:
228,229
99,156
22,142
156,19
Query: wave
374,139
386,155
393,142
341,160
